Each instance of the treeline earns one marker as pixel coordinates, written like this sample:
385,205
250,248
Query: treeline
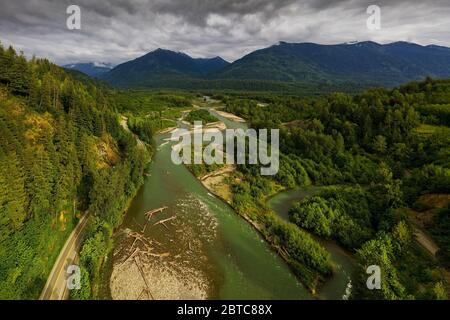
63,154
183,83
368,149
145,102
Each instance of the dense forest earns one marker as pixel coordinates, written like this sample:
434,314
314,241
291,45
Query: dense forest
63,154
381,157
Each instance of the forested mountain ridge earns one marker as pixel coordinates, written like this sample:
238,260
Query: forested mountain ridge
63,153
289,67
161,65
369,62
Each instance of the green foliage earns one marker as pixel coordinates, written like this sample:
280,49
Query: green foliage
301,248
13,198
62,151
95,247
143,127
436,114
314,215
380,252
292,173
440,293
148,103
28,255
201,115
380,145
430,178
339,213
85,291
440,230
373,145
407,272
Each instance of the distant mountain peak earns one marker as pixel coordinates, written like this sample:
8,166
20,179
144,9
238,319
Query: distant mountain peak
93,64
161,64
103,65
92,69
364,44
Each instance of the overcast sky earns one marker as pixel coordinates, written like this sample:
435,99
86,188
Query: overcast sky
118,30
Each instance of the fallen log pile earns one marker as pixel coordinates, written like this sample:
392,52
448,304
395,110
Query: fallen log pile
143,248
151,213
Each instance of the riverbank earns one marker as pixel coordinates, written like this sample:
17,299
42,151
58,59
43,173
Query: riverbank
101,234
216,183
230,116
221,180
339,284
104,291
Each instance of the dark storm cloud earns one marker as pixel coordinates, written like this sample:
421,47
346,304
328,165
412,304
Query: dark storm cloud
197,11
118,30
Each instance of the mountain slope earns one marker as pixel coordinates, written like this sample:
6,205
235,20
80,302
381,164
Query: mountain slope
62,152
93,69
162,66
366,61
289,65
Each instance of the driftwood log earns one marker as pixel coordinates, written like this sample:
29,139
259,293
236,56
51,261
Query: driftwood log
151,213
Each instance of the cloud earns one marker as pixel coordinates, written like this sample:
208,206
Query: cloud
119,30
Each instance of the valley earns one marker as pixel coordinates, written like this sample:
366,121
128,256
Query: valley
354,172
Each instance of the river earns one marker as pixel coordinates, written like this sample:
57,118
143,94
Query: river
206,252
198,248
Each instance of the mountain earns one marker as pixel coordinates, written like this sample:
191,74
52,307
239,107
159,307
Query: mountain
93,69
368,62
162,66
289,66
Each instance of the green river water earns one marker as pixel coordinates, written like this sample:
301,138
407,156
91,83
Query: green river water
207,251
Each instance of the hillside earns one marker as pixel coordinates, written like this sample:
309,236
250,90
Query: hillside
63,153
369,62
162,66
289,67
